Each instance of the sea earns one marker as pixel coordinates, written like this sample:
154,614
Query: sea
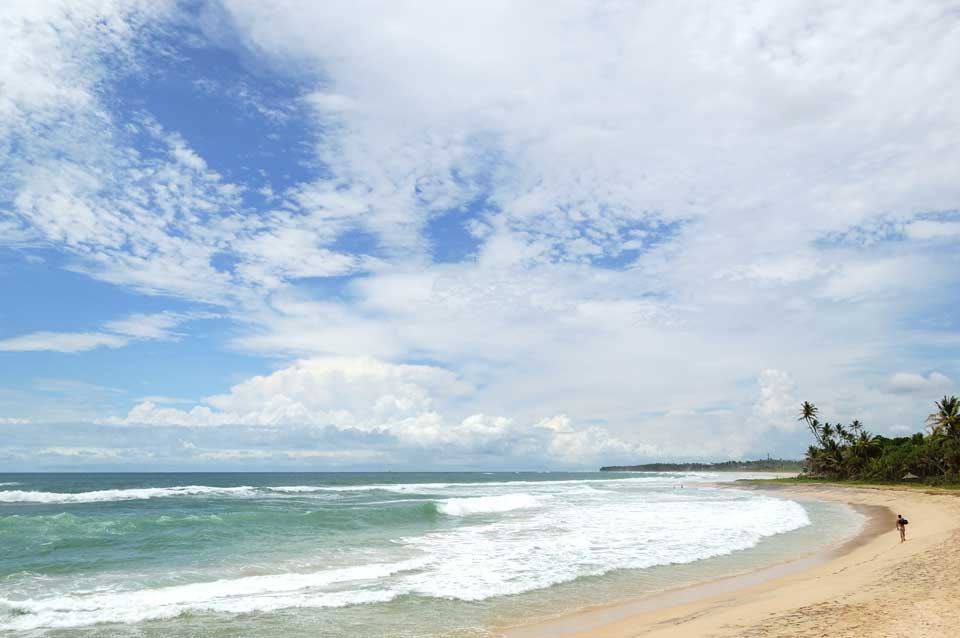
369,555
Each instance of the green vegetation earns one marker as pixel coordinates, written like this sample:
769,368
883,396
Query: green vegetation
763,465
852,454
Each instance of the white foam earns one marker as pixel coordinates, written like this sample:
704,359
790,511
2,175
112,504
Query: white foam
623,480
486,504
238,595
296,489
427,488
20,496
593,535
576,529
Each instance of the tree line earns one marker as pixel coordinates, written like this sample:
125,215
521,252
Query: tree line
850,452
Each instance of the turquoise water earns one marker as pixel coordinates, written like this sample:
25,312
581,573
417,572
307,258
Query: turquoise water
369,554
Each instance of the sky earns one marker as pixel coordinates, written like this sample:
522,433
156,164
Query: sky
268,235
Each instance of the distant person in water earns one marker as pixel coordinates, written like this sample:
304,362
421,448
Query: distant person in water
902,527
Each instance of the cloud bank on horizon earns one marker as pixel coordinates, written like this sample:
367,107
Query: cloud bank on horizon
472,234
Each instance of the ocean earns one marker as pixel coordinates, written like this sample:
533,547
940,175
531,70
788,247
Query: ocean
371,554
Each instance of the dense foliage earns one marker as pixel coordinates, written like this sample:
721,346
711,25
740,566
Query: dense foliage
851,452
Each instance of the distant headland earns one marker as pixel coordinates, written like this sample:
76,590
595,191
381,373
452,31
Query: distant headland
762,465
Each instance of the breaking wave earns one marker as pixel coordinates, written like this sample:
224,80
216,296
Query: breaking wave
486,504
99,496
238,595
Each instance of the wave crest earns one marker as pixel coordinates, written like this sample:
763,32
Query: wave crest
486,504
239,595
99,496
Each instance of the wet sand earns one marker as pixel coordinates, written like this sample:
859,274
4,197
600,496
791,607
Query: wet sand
872,585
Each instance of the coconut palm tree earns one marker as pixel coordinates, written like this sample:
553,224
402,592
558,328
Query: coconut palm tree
808,414
845,435
946,420
864,444
814,461
857,454
827,433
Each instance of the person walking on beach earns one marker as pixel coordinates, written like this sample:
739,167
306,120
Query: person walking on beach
902,527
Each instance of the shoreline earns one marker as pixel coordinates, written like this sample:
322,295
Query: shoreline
848,585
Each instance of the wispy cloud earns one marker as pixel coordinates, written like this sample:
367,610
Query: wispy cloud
117,334
11,420
62,342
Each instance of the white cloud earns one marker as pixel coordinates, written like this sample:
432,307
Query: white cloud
88,453
910,383
119,333
164,400
51,65
10,420
744,200
154,326
594,444
902,430
776,406
329,102
928,229
858,280
132,203
754,255
62,342
402,401
595,155
336,456
345,393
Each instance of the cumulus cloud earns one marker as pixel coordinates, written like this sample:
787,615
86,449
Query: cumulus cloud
401,401
344,392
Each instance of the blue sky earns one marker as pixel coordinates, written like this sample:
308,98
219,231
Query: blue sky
284,235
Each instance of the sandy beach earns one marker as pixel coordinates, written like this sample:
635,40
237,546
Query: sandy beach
872,586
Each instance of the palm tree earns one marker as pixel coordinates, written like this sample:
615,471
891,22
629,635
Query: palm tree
808,414
857,455
826,434
813,461
833,445
856,426
845,435
864,444
946,420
